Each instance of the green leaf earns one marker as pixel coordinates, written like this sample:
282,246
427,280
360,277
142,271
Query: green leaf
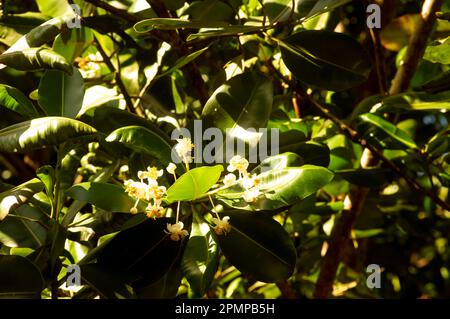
211,10
182,62
33,134
24,228
378,124
54,8
143,252
46,174
438,53
194,183
173,24
313,58
368,177
258,246
280,161
243,102
61,94
15,100
35,59
39,35
105,282
72,42
20,278
412,101
321,6
12,198
224,31
106,196
279,187
201,257
143,140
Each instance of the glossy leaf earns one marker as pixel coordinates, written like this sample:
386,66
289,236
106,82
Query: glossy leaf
419,101
106,196
389,129
13,99
61,94
280,187
258,246
143,140
106,283
20,278
201,256
243,102
12,198
438,53
143,252
25,227
173,24
35,59
312,57
368,177
194,183
36,133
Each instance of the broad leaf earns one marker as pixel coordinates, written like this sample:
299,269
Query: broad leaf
25,227
15,100
143,140
61,94
312,58
106,196
20,278
33,134
419,101
279,187
373,124
35,59
201,256
13,198
244,102
194,183
258,246
143,252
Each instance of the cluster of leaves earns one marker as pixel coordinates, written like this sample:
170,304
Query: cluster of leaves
84,109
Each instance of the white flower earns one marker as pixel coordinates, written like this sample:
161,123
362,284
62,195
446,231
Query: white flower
250,195
176,231
222,226
152,174
250,181
239,163
156,192
154,211
136,189
183,149
171,168
229,179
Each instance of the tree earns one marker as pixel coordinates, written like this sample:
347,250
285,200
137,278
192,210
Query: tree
270,148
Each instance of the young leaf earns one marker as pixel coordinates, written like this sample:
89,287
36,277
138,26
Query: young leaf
194,183
258,246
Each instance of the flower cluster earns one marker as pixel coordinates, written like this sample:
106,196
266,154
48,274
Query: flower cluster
184,148
249,182
149,191
90,66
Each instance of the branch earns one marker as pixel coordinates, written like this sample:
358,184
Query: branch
119,81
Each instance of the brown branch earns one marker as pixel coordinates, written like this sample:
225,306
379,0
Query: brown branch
118,79
356,198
